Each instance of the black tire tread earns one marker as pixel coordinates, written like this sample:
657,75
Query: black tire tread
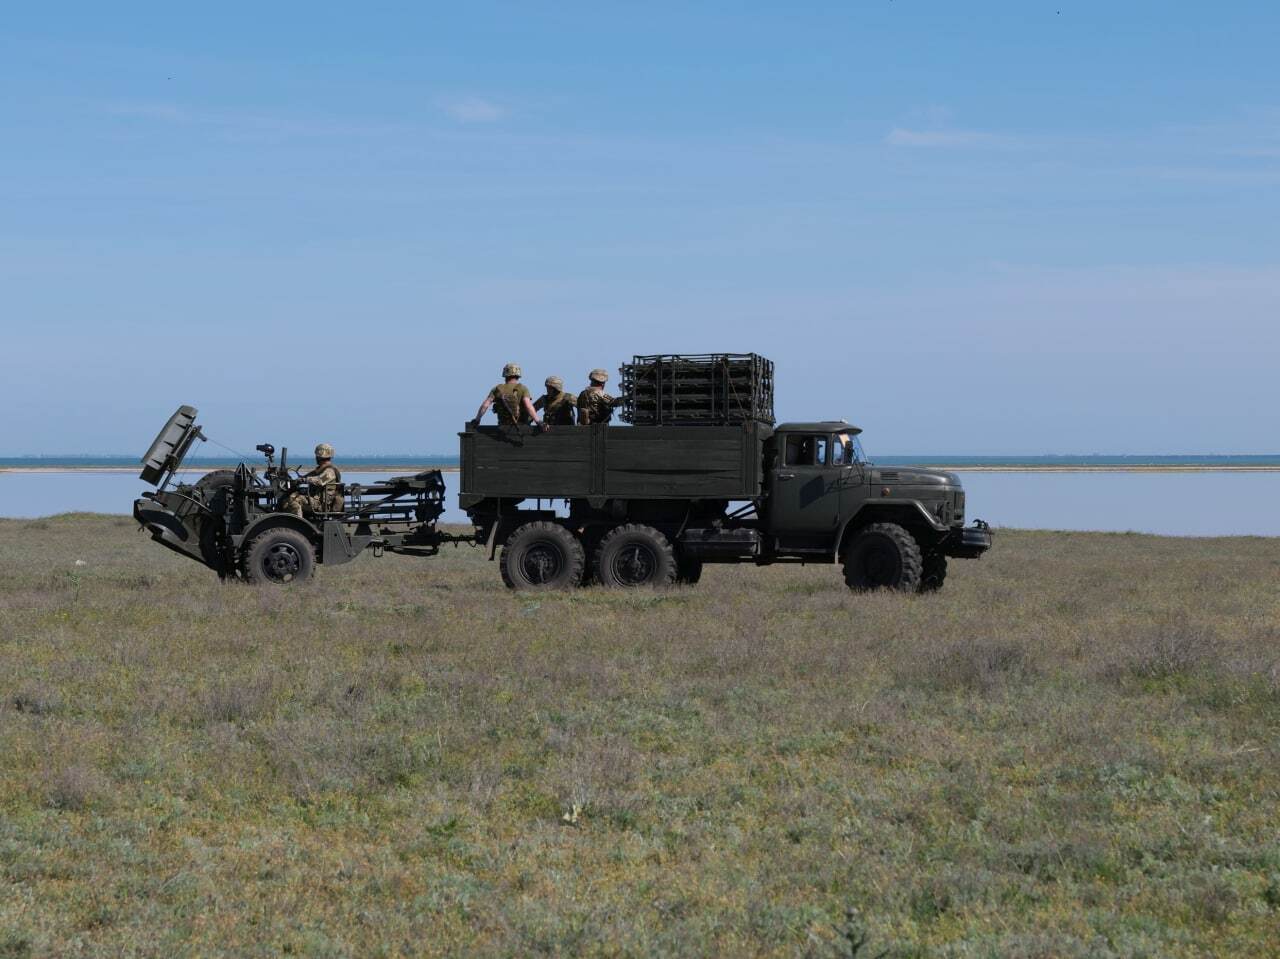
908,552
933,572
575,555
656,539
250,569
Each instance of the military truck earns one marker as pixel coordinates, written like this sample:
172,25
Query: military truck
713,480
626,506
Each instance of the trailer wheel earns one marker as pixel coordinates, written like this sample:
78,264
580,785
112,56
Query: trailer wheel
213,541
689,571
542,556
281,556
934,572
883,556
635,555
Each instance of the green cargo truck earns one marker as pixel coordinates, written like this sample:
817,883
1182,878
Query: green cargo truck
650,505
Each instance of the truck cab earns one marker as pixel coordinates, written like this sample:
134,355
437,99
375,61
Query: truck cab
889,526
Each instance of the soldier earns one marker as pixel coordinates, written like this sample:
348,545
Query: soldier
514,403
594,404
322,484
557,405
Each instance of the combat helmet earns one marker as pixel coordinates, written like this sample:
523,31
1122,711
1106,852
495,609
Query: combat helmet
555,383
511,369
324,451
598,376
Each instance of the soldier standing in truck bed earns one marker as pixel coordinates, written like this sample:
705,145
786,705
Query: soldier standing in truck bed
510,399
556,403
317,490
594,404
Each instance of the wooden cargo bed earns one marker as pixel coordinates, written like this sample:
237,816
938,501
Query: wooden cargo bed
607,462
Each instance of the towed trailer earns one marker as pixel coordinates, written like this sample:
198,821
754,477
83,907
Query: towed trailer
231,520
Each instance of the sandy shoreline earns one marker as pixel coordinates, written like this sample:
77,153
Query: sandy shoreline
967,468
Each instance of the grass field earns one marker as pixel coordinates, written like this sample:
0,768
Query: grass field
1070,751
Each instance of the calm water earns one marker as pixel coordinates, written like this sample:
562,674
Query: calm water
421,461
1177,504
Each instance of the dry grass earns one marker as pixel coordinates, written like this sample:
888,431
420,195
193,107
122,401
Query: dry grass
1069,751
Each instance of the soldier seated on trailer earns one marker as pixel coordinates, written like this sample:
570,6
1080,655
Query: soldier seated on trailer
511,400
594,404
557,404
319,490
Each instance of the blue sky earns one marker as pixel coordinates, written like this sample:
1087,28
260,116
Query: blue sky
971,228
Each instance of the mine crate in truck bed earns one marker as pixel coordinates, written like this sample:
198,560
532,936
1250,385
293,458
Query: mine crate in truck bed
613,462
697,389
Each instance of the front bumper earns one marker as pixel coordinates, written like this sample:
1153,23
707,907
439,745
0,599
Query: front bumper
968,542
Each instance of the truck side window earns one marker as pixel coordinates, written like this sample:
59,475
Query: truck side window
806,451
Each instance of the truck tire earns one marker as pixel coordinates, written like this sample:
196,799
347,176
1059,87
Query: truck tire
933,572
280,556
688,571
632,556
883,556
542,556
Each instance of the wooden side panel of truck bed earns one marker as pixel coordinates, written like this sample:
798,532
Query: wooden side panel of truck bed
632,462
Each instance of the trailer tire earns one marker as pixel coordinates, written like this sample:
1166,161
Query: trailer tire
542,556
933,572
634,556
883,556
213,541
279,556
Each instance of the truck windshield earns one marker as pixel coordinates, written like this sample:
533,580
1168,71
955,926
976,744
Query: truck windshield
847,450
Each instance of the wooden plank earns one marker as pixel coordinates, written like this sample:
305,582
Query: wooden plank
664,462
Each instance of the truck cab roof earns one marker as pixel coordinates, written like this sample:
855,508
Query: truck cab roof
819,426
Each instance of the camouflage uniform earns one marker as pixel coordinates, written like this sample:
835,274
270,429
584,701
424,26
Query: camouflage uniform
508,403
557,409
595,406
325,496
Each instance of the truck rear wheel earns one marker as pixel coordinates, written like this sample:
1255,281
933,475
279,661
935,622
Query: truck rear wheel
542,555
934,572
635,555
883,556
281,556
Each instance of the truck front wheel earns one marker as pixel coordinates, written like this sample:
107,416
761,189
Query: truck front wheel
934,572
883,556
635,555
543,556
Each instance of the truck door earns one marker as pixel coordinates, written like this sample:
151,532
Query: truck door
805,501
848,459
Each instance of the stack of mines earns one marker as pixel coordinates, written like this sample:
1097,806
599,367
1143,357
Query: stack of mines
701,389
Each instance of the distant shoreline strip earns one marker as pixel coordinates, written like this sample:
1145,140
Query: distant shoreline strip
954,468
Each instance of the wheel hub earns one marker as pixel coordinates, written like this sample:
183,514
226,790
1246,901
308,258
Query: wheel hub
542,563
635,565
281,563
